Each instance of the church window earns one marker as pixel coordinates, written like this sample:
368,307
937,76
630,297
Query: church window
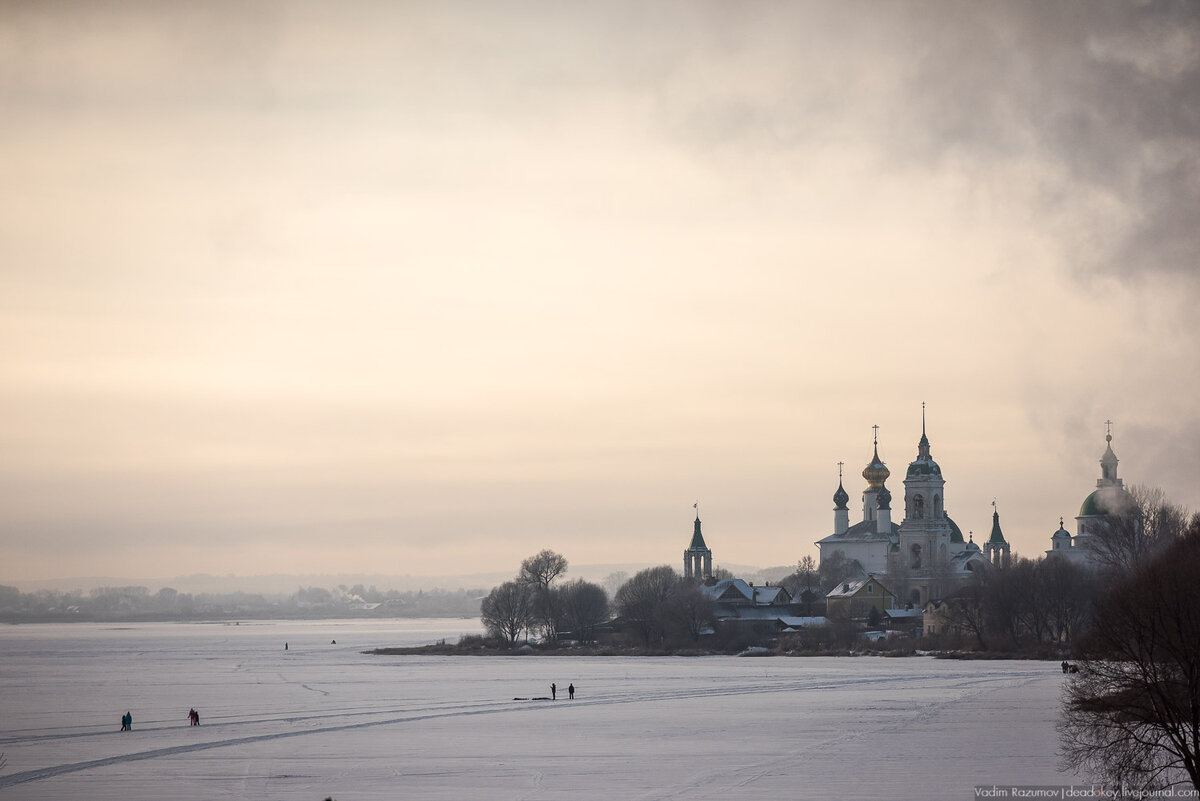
919,507
937,507
915,556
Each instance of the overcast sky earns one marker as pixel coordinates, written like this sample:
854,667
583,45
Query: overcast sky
427,287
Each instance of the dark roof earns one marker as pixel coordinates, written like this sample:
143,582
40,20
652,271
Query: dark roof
997,534
864,531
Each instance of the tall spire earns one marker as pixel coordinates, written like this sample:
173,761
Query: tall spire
997,534
697,559
923,445
1108,462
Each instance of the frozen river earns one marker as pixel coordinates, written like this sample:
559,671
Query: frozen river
323,719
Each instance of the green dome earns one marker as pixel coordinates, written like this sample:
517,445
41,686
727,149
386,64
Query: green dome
1107,501
955,531
924,467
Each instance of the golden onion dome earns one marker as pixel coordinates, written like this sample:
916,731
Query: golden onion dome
876,472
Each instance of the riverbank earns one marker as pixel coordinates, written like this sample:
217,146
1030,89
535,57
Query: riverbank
482,646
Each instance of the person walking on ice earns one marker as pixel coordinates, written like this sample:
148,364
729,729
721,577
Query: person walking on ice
571,691
553,691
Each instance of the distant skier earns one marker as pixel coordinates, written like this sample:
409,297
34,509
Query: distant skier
571,691
553,692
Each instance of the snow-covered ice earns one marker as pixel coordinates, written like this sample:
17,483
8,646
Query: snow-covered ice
324,720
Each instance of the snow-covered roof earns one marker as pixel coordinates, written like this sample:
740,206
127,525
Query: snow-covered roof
803,622
738,591
902,613
736,612
848,589
972,556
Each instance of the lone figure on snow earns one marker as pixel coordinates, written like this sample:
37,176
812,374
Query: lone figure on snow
571,691
553,691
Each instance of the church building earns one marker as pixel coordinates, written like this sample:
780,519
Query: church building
1109,500
925,556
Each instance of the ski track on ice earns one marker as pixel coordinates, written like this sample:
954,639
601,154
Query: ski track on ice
978,683
716,782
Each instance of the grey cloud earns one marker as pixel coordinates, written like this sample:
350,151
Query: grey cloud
1085,87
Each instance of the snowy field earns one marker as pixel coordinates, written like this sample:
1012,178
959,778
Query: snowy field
324,719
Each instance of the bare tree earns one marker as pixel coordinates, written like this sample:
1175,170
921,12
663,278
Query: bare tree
1132,715
837,569
1141,526
965,610
539,572
1015,601
508,610
542,569
1068,590
688,612
805,584
642,599
583,607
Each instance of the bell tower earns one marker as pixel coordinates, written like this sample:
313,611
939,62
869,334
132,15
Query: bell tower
697,559
996,548
926,533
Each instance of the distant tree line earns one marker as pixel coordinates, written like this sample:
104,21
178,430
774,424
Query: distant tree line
138,603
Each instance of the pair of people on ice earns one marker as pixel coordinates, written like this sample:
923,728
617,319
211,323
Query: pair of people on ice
127,722
554,691
194,717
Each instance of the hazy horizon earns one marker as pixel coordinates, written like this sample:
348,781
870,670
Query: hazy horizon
288,583
294,288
